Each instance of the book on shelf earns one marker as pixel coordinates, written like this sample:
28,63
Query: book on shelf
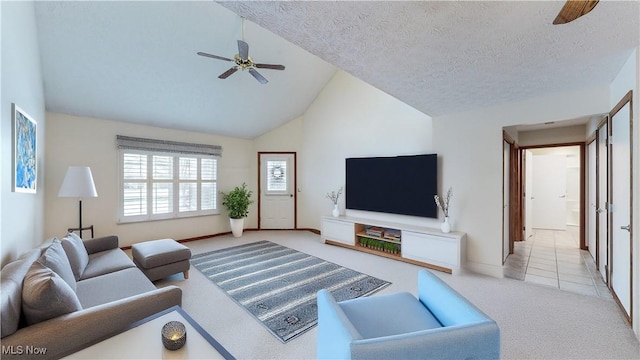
392,234
374,231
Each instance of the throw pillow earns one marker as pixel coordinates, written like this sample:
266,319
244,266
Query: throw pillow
77,254
55,258
45,295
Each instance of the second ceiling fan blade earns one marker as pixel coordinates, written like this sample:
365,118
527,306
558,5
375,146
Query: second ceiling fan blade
214,56
227,73
269,66
261,79
243,49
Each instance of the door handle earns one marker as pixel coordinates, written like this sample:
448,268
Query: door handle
563,196
599,211
628,228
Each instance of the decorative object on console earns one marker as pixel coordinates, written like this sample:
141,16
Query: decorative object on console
334,196
443,204
237,202
78,182
24,152
174,335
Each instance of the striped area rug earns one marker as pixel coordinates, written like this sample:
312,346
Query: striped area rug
278,285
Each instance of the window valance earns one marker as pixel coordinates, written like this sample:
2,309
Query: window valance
128,142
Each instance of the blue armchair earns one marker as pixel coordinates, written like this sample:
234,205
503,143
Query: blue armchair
441,324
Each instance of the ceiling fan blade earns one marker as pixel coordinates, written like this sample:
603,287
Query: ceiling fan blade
258,77
227,73
269,66
214,56
243,49
574,9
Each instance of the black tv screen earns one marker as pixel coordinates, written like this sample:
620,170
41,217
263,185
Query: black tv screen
398,185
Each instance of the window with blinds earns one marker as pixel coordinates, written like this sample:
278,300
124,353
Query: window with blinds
159,185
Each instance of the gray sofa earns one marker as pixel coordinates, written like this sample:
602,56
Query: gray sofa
68,294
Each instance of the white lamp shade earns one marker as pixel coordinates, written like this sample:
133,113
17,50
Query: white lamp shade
78,182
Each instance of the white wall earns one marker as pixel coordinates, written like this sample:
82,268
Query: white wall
629,79
22,214
561,135
348,119
91,142
470,144
287,137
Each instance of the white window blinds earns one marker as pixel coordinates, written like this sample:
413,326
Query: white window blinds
166,182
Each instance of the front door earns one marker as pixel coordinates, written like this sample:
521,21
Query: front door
620,209
277,190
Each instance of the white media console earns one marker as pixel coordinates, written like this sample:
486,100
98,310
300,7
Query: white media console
417,245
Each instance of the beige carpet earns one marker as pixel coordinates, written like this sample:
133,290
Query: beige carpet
536,322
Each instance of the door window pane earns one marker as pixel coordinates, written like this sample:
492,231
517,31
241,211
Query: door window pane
276,175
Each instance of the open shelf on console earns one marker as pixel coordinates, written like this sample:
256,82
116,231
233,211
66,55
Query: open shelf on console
378,239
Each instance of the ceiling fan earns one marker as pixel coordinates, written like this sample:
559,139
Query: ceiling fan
574,9
244,62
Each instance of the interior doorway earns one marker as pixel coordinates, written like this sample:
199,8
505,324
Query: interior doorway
552,252
554,179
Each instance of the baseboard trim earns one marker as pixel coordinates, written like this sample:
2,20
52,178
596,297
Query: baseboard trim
484,269
196,238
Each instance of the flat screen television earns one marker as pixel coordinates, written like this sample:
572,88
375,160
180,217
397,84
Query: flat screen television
398,185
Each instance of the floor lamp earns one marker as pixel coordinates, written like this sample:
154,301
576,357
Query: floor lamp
78,182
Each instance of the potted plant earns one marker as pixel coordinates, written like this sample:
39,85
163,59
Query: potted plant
237,202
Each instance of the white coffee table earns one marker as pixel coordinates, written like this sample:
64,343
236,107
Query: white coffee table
143,341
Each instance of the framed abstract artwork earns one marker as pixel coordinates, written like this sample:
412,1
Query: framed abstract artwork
24,151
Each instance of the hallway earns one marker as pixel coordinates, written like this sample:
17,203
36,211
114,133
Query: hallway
553,258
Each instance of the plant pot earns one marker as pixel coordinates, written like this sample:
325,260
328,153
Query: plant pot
237,225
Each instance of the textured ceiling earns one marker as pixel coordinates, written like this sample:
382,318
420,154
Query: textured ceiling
136,61
446,56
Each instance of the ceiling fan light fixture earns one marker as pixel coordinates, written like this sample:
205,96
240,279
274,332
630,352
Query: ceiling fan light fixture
243,62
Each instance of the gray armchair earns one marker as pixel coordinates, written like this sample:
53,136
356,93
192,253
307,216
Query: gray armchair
440,324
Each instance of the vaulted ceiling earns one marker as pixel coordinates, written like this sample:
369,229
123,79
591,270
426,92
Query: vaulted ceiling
137,62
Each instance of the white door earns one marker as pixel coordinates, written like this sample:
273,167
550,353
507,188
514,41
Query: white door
277,191
550,192
592,205
528,194
603,198
620,211
506,153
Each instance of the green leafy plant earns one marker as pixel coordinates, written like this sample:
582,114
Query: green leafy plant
237,201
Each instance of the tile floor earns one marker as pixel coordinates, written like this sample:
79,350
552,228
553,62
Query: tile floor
553,258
